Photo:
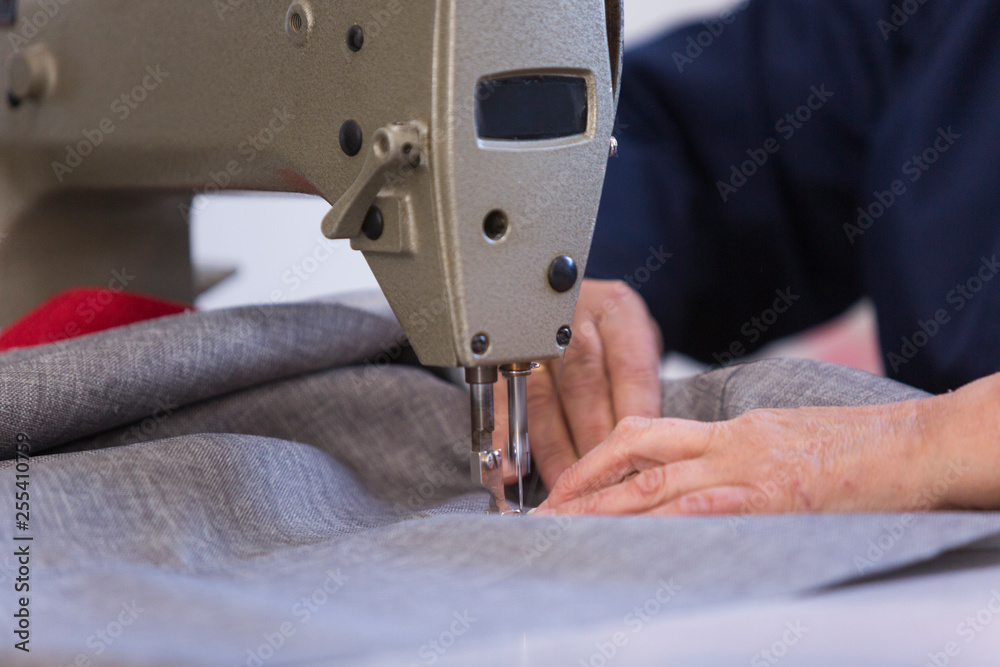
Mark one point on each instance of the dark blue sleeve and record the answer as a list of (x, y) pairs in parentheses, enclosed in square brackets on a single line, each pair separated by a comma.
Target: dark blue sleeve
[(741, 145)]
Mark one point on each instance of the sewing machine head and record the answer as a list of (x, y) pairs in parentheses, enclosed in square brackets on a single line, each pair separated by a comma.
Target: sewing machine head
[(462, 144)]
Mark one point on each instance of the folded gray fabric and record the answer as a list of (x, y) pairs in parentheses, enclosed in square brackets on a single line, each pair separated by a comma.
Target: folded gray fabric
[(76, 388), (259, 488)]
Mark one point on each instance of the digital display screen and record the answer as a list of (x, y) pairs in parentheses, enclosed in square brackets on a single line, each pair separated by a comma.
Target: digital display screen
[(531, 107)]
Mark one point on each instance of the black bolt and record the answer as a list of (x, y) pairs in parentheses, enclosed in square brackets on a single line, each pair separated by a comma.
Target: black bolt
[(355, 38), (351, 137), (564, 336), (480, 343), (374, 223), (13, 101), (562, 273)]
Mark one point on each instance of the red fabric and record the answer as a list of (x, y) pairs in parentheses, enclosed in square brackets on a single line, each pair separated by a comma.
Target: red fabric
[(82, 311)]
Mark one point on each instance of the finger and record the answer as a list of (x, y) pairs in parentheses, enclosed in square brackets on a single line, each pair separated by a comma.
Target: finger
[(709, 501), (633, 349), (641, 492), (551, 444), (636, 445), (585, 388)]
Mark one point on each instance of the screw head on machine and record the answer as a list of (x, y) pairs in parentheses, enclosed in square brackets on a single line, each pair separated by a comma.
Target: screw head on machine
[(564, 336), (480, 343)]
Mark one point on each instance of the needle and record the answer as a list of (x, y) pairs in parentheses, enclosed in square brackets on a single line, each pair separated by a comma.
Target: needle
[(517, 421), (520, 481)]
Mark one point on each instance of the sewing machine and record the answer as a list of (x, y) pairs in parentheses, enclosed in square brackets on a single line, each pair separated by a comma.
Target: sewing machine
[(461, 143)]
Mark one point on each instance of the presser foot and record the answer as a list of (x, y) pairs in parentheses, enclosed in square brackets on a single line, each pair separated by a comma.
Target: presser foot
[(487, 463), (487, 470)]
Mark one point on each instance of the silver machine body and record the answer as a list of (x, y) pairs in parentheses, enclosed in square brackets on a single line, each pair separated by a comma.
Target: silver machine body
[(461, 144)]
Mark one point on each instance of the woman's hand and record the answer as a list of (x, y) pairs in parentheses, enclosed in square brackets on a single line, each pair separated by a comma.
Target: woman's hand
[(896, 457)]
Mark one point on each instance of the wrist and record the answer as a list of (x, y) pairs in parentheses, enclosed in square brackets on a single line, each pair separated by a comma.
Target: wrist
[(960, 444), (942, 467)]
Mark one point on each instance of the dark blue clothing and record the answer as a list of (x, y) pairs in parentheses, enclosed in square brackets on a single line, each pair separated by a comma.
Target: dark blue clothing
[(800, 154)]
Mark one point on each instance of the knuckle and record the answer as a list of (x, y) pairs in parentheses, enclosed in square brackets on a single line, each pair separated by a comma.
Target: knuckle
[(762, 418), (714, 436), (617, 298), (705, 502), (585, 340), (583, 357), (620, 291), (759, 430), (630, 429), (695, 503), (624, 295), (650, 483)]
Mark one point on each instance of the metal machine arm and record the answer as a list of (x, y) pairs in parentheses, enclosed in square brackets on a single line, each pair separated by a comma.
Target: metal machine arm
[(461, 144)]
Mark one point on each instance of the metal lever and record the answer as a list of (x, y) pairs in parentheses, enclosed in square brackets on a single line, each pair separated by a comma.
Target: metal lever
[(394, 147)]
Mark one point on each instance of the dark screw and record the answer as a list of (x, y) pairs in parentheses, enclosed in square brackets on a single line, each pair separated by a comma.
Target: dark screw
[(355, 38), (351, 137), (562, 273), (374, 223), (564, 336), (480, 343), (495, 225), (13, 101)]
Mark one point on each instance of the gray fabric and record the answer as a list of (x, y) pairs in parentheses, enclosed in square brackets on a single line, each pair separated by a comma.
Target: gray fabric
[(728, 392), (64, 391), (205, 473)]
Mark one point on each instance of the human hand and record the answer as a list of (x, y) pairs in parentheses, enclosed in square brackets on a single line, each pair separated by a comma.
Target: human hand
[(873, 458), (611, 370)]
